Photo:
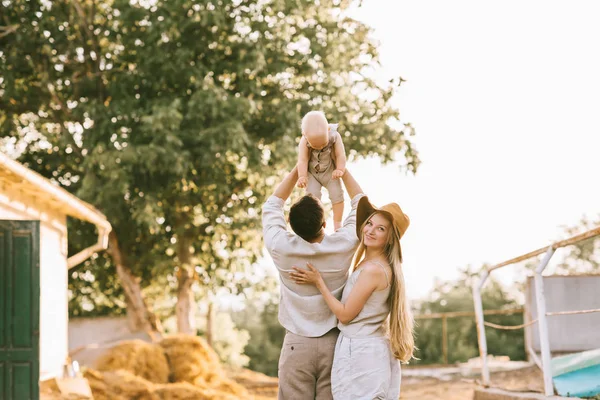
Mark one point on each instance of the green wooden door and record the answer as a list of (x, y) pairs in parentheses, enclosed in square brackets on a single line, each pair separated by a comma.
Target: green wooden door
[(19, 309)]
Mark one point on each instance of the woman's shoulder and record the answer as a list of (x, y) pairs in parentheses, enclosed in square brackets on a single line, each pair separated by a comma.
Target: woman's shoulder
[(374, 269)]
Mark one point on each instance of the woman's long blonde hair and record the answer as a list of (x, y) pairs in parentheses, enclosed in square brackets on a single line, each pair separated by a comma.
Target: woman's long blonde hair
[(401, 322)]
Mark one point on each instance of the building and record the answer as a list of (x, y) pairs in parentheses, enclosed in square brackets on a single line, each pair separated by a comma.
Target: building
[(34, 267)]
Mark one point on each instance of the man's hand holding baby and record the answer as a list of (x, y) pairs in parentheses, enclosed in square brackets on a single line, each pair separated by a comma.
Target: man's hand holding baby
[(302, 182)]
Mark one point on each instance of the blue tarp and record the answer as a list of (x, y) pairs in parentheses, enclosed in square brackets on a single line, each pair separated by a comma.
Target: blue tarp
[(577, 375)]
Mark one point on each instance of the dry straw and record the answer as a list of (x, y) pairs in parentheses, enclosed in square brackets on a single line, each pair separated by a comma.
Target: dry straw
[(192, 360), (184, 390), (142, 359), (119, 385), (179, 367)]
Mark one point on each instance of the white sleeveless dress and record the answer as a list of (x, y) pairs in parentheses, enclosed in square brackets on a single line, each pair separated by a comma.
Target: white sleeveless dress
[(363, 364)]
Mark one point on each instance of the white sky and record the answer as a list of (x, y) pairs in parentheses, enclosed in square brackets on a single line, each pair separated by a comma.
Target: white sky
[(505, 100)]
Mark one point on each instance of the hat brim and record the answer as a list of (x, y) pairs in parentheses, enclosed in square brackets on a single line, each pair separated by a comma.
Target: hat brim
[(363, 211)]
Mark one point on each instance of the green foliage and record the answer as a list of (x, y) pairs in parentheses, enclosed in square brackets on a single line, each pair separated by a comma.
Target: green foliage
[(96, 294), (462, 331), (266, 336), (229, 340), (584, 256), (174, 118)]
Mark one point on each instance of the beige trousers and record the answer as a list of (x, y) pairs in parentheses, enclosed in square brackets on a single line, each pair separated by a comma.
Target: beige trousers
[(305, 366)]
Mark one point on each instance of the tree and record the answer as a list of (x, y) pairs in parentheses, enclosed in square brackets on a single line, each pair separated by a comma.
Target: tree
[(266, 335), (584, 256), (175, 117), (462, 332)]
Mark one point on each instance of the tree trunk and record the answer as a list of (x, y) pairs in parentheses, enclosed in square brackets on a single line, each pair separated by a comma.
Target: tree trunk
[(138, 314), (186, 306), (209, 323)]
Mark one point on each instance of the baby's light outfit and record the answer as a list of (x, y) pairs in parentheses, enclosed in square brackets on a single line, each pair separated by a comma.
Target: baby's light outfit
[(321, 165)]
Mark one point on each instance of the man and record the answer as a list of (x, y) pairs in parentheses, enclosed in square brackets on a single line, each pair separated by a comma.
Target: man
[(311, 328)]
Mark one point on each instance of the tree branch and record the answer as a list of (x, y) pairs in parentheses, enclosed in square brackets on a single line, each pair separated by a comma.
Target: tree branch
[(7, 30), (96, 47)]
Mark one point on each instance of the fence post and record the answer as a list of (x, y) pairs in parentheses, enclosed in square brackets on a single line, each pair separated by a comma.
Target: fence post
[(485, 373), (543, 323), (445, 339)]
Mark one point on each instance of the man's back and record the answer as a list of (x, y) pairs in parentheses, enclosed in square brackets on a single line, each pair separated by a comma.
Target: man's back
[(307, 353), (303, 310), (332, 257)]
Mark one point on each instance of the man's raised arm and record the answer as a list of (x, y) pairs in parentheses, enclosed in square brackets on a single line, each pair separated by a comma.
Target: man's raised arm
[(273, 218), (354, 191), (284, 190), (352, 187)]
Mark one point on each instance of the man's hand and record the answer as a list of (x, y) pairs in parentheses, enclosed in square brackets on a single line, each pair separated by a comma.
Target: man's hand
[(337, 174), (302, 182)]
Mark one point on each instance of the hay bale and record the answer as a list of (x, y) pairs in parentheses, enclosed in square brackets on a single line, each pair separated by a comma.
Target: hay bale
[(142, 371), (228, 386), (119, 385), (184, 391), (142, 359), (100, 389), (190, 357), (177, 391), (254, 380), (192, 360)]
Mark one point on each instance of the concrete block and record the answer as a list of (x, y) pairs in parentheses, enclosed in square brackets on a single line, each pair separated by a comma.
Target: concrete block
[(499, 394)]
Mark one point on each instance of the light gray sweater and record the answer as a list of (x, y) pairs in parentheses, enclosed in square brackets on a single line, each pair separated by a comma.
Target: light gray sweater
[(302, 309)]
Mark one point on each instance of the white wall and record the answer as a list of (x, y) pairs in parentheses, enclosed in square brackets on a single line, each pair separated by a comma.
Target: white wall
[(53, 277), (567, 333), (102, 332)]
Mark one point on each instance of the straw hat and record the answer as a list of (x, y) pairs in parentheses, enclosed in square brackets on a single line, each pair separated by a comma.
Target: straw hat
[(392, 210)]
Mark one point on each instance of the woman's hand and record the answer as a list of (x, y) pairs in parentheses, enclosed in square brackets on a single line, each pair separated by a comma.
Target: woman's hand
[(303, 276)]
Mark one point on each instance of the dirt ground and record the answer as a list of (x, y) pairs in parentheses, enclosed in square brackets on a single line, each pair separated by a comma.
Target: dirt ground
[(457, 388), (263, 387)]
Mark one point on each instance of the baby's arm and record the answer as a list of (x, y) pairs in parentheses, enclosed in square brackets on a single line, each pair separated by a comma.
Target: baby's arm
[(303, 154), (340, 157)]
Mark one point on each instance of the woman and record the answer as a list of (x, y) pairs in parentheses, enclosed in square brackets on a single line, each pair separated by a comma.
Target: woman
[(370, 346)]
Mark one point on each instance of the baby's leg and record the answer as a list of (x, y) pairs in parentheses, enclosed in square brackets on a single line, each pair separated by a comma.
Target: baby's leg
[(313, 186), (336, 195), (338, 212)]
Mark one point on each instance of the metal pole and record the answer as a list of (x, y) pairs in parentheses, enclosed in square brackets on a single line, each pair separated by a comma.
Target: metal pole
[(445, 338), (526, 319), (534, 357), (543, 323), (485, 373)]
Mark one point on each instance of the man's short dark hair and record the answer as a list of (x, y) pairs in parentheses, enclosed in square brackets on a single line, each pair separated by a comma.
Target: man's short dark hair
[(306, 217)]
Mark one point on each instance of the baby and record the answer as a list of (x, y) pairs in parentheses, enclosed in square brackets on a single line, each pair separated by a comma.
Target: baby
[(322, 161)]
